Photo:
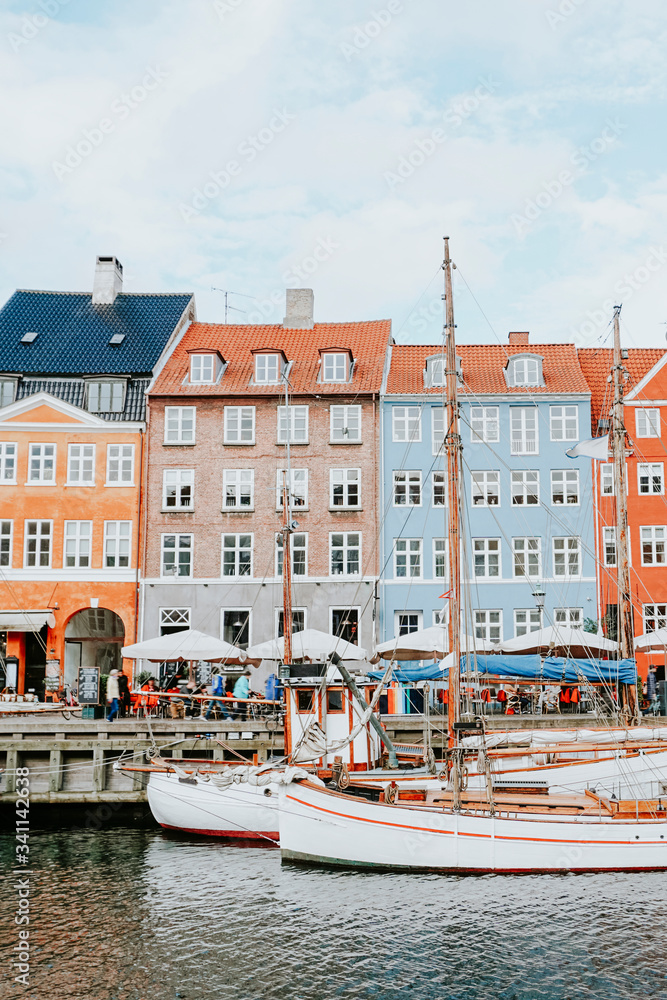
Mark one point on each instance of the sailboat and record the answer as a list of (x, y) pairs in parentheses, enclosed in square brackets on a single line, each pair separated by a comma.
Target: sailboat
[(462, 829)]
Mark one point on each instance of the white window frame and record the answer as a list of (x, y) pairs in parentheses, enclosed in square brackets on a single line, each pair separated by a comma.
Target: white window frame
[(569, 478), (343, 434), (413, 626), (439, 617), (297, 486), (295, 611), (239, 484), (347, 479), (346, 548), (245, 613), (116, 394), (487, 555), (406, 424), (648, 470), (6, 542), (7, 391), (120, 461), (405, 483), (486, 626), (78, 456), (527, 620), (177, 549), (331, 363), (654, 616), (647, 422), (572, 617), (42, 457), (530, 369), (607, 479), (264, 365), (8, 462), (177, 479), (437, 429), (566, 548), (404, 551), (176, 435), (202, 369), (486, 484), (521, 442), (239, 435), (440, 559), (438, 488), (117, 536), (609, 546), (80, 534), (296, 545), (40, 534), (564, 422), (243, 546), (485, 424), (168, 617), (346, 608), (521, 486), (292, 419), (648, 534), (527, 550)]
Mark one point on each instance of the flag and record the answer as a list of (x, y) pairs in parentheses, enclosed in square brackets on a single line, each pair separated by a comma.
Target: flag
[(597, 448), (446, 596)]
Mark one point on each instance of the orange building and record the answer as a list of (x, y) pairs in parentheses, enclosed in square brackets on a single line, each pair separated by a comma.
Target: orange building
[(72, 410)]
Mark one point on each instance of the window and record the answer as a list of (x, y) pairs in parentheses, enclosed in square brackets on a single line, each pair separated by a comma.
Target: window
[(439, 617), (572, 617), (647, 423), (298, 621), (334, 367), (526, 557), (178, 489), (564, 423), (6, 533), (117, 543), (407, 489), (527, 620), (523, 427), (239, 425), (267, 368), (335, 701), (345, 424), (179, 424), (408, 558), (525, 371), (299, 550), (106, 397), (653, 546), (37, 544), (42, 465), (238, 489), (237, 555), (440, 558), (489, 625), (306, 701), (407, 622), (564, 486), (120, 465), (81, 465), (486, 557), (174, 620), (655, 616), (485, 489), (435, 371), (7, 463), (567, 556), (78, 537), (650, 478), (345, 548), (236, 627), (609, 546), (202, 368), (406, 423), (344, 487), (437, 429), (607, 479), (7, 391), (439, 489), (484, 424), (293, 420), (525, 488), (345, 624), (177, 555), (298, 488)]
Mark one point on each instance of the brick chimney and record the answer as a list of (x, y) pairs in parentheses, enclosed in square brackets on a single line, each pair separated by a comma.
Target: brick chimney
[(521, 339), (299, 305), (108, 281)]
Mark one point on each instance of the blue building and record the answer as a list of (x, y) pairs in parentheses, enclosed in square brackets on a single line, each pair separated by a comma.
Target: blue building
[(528, 510)]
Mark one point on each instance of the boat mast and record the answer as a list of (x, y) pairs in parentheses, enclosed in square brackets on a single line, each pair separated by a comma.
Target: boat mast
[(287, 533), (625, 630), (453, 452)]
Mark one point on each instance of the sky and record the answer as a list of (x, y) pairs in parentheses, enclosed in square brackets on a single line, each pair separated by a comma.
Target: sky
[(254, 145)]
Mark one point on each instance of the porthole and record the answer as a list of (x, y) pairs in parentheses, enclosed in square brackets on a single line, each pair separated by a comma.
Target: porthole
[(268, 792)]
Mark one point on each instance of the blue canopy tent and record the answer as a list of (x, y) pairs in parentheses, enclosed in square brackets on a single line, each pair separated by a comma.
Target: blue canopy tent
[(552, 668)]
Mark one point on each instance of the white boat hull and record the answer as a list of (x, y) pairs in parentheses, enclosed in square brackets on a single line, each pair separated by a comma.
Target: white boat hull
[(324, 827), (243, 810)]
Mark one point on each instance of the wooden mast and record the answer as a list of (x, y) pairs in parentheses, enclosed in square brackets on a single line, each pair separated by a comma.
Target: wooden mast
[(625, 629), (287, 535), (453, 452)]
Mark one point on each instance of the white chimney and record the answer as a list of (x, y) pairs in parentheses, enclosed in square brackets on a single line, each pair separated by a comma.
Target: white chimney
[(108, 280), (299, 309)]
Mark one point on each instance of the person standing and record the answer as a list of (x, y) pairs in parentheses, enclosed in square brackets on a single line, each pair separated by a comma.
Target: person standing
[(124, 694), (242, 690), (113, 695)]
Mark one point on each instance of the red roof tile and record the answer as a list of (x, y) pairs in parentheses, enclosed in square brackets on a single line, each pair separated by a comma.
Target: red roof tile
[(367, 341), (483, 368), (596, 365)]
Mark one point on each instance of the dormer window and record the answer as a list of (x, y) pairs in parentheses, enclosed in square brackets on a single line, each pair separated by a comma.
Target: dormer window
[(436, 371), (202, 368), (269, 367), (336, 366), (524, 370), (106, 397), (7, 391)]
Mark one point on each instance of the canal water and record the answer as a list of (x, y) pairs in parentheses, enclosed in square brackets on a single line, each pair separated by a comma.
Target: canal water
[(129, 914)]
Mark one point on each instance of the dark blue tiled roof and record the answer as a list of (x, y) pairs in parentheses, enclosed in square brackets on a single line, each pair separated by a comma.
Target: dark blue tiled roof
[(73, 391), (73, 334)]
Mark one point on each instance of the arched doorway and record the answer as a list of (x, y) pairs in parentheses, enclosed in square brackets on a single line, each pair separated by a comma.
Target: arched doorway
[(93, 638)]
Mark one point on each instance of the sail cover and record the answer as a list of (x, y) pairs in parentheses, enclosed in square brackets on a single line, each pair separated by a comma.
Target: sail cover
[(553, 668)]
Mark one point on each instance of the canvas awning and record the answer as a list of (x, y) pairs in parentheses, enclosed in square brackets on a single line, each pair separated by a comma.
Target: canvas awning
[(428, 644), (186, 646), (310, 644), (26, 621)]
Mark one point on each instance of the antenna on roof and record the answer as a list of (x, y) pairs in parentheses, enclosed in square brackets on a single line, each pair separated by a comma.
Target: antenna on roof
[(227, 292)]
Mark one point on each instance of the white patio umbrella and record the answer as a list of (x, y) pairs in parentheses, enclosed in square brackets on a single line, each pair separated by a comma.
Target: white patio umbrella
[(574, 641), (429, 644), (188, 645), (655, 640), (310, 644)]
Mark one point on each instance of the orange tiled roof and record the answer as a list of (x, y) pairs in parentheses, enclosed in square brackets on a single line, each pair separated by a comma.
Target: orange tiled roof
[(596, 365), (367, 341), (483, 368)]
